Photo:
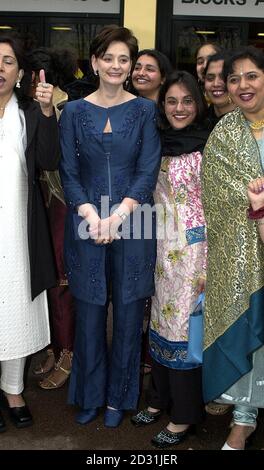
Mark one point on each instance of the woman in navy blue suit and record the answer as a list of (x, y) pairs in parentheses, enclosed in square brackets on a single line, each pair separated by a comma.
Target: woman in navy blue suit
[(109, 167)]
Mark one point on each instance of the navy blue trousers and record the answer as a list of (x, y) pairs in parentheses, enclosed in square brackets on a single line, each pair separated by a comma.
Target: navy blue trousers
[(100, 376)]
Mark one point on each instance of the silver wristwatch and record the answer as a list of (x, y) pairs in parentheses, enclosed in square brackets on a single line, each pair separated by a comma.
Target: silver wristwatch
[(122, 215)]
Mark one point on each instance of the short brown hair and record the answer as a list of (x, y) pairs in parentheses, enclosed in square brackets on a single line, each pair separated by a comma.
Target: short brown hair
[(112, 33)]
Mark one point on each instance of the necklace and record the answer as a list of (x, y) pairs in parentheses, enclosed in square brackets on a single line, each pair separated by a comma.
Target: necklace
[(257, 125)]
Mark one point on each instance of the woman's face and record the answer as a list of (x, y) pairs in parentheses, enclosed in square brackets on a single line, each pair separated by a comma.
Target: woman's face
[(146, 76), (246, 88), (180, 107), (214, 84), (9, 72), (202, 57), (115, 64)]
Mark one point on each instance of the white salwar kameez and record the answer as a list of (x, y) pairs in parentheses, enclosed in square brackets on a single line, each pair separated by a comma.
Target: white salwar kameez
[(24, 325)]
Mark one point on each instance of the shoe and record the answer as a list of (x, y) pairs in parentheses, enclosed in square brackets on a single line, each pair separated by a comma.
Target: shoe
[(248, 440), (145, 417), (112, 418), (166, 438), (47, 365), (20, 416), (217, 409), (60, 374), (227, 447), (86, 416), (2, 423)]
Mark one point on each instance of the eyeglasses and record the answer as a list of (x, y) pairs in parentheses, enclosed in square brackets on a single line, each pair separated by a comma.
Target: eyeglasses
[(186, 102)]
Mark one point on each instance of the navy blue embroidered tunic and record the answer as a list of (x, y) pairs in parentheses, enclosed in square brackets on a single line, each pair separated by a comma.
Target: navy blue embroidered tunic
[(95, 165)]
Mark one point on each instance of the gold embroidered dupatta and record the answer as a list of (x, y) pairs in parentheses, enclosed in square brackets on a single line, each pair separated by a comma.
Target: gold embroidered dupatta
[(235, 251)]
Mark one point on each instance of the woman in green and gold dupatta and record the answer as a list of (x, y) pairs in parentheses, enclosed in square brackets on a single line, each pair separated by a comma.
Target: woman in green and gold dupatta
[(234, 321)]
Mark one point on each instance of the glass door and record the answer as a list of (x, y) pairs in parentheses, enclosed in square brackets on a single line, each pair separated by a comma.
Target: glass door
[(75, 33), (29, 28), (188, 35)]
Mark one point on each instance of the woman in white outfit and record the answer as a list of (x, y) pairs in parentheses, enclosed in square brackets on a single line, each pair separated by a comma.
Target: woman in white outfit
[(28, 142)]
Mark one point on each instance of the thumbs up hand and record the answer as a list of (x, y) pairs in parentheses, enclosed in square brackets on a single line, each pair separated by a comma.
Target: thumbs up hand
[(44, 92)]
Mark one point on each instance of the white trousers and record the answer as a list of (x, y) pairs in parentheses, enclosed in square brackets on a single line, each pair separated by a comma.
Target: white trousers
[(12, 373)]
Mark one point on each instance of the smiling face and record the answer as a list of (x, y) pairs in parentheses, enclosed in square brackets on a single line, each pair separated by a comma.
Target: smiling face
[(115, 64), (9, 72), (246, 88), (214, 84), (179, 106), (202, 57), (146, 76)]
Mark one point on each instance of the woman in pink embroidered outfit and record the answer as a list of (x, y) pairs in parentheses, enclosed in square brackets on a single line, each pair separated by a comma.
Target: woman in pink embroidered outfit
[(181, 260)]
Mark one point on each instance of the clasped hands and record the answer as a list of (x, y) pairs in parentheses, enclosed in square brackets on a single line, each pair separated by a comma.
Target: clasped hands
[(104, 231)]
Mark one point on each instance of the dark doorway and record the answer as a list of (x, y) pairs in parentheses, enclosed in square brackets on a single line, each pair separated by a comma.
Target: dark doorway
[(188, 35), (179, 36), (71, 31)]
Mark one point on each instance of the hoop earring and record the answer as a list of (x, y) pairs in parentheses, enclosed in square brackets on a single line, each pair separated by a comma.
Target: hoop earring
[(230, 101)]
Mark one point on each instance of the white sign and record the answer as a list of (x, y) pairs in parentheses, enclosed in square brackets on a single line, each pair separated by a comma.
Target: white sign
[(61, 6), (229, 8)]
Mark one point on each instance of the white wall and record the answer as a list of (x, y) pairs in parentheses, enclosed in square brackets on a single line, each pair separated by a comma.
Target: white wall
[(61, 6), (230, 8)]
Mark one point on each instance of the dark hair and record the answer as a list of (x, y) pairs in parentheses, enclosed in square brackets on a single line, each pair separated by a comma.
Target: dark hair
[(215, 58), (162, 60), (16, 44), (59, 64), (112, 33), (248, 52), (214, 44), (182, 77)]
